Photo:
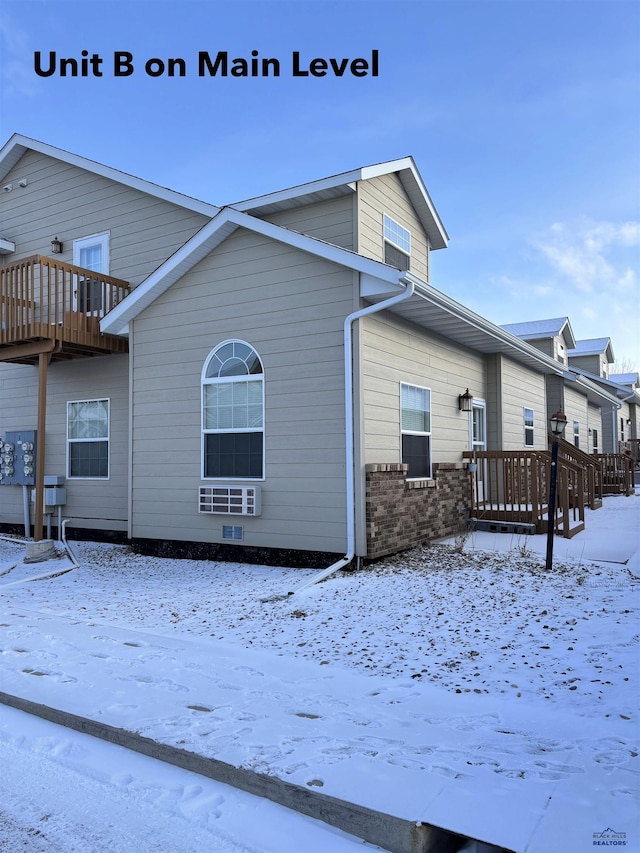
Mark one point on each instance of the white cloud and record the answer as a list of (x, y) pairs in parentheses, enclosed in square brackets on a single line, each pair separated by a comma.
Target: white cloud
[(591, 256)]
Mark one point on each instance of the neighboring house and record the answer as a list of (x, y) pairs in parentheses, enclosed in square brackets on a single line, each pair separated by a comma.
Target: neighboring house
[(592, 358), (274, 374), (591, 408)]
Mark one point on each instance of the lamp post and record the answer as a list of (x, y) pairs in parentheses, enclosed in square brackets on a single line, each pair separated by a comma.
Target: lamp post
[(558, 426)]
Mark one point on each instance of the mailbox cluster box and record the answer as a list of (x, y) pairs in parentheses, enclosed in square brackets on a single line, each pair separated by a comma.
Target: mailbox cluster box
[(18, 458)]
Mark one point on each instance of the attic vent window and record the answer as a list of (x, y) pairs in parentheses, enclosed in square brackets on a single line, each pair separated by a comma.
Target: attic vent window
[(397, 243)]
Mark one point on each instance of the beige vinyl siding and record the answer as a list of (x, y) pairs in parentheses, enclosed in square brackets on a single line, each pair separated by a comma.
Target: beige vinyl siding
[(331, 220), (594, 421), (68, 202), (290, 307), (575, 408), (385, 194), (92, 504), (394, 351), (521, 388)]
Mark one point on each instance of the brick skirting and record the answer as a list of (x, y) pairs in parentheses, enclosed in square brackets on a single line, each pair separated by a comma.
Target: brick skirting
[(404, 513)]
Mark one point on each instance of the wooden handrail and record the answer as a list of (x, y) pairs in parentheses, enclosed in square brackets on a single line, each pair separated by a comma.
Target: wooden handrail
[(617, 473), (43, 298), (513, 486), (592, 467)]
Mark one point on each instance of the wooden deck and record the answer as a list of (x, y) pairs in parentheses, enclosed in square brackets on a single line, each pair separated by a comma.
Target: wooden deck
[(513, 486), (49, 305)]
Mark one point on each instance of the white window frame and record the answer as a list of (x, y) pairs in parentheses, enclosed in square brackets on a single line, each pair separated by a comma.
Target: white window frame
[(424, 433), (81, 243), (106, 439), (397, 236), (529, 427), (480, 406), (576, 434), (204, 381)]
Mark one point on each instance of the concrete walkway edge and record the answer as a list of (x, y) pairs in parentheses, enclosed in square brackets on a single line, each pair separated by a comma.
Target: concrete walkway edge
[(387, 831)]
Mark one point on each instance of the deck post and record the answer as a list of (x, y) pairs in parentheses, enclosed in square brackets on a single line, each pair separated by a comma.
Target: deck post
[(558, 426), (43, 364)]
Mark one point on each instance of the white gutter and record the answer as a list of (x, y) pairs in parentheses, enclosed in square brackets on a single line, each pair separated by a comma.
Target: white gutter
[(350, 430)]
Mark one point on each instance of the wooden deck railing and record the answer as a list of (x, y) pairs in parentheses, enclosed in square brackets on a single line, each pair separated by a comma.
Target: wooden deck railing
[(631, 447), (42, 298), (592, 470), (617, 473), (513, 486)]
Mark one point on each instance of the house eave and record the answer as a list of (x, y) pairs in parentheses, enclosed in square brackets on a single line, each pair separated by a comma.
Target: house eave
[(346, 183), (215, 232), (13, 150), (432, 309)]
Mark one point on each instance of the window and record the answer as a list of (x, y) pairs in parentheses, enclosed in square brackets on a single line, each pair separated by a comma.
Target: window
[(415, 423), (233, 413), (397, 243), (621, 429), (595, 441), (92, 253), (528, 427), (88, 439), (576, 433)]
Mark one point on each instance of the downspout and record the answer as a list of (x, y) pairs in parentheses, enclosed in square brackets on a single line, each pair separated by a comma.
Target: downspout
[(349, 427)]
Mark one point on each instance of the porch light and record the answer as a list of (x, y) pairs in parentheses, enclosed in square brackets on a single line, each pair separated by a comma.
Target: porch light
[(628, 421), (465, 401), (56, 246), (558, 424)]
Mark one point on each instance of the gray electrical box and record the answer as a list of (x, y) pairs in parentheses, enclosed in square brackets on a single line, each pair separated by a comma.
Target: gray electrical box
[(55, 493), (18, 458)]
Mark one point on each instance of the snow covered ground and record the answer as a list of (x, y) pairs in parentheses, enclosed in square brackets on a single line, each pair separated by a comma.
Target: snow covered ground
[(459, 684)]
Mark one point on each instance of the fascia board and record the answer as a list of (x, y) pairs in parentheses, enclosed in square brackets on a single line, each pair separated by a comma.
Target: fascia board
[(348, 179), (593, 390), (342, 179), (13, 150), (210, 236), (405, 166), (618, 391), (437, 297)]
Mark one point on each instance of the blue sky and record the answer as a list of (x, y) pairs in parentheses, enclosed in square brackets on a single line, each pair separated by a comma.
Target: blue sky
[(523, 117)]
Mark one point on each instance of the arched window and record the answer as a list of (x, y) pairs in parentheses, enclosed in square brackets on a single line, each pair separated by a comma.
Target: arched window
[(233, 413)]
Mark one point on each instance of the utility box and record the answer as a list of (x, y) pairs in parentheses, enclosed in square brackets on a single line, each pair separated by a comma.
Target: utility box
[(18, 458), (55, 493)]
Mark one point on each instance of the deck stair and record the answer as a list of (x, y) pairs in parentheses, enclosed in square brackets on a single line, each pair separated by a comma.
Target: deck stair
[(510, 487), (617, 473), (593, 470)]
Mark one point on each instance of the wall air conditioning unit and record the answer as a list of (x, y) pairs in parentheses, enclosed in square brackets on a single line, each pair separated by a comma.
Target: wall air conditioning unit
[(230, 500)]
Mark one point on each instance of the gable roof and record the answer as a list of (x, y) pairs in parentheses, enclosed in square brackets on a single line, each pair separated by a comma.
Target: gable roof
[(631, 379), (215, 232), (542, 329), (345, 184), (594, 346), (18, 145)]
